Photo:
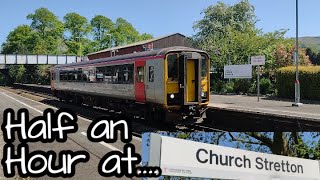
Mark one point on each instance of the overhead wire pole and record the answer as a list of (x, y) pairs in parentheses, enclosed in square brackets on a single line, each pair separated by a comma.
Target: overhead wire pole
[(297, 83)]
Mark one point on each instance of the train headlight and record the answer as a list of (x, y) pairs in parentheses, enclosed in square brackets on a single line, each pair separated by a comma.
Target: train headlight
[(172, 96), (203, 95)]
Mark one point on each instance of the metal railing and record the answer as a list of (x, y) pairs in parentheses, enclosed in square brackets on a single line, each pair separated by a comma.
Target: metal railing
[(6, 59)]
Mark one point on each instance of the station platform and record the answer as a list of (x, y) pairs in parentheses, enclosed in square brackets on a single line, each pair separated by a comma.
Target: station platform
[(270, 106)]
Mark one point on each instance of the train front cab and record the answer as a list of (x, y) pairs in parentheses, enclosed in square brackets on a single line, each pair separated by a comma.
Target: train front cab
[(187, 83)]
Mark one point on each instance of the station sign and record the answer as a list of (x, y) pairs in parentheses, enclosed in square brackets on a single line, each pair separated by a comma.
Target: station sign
[(238, 71), (258, 60), (187, 158)]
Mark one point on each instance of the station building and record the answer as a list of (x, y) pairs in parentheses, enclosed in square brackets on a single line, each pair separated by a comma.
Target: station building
[(176, 39)]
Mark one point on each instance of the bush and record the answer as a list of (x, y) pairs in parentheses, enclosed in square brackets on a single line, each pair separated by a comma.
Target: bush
[(242, 85), (265, 86), (228, 87), (216, 86), (309, 77)]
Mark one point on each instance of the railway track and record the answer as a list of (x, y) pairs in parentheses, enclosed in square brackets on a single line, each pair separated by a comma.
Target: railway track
[(218, 119), (43, 94)]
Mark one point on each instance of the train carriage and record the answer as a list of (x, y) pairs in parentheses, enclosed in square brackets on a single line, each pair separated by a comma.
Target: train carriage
[(151, 84)]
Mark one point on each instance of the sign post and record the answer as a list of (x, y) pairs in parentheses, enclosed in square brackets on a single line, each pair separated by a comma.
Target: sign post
[(258, 81), (257, 61)]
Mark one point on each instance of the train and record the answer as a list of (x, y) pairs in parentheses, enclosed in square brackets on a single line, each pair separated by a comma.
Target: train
[(164, 85)]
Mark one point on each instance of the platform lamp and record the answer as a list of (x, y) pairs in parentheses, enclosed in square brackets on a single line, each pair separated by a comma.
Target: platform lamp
[(297, 102)]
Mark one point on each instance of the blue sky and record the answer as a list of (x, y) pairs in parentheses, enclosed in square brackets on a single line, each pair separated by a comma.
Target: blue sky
[(163, 17)]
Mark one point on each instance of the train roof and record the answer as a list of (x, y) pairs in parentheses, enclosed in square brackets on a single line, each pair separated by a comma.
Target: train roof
[(157, 52)]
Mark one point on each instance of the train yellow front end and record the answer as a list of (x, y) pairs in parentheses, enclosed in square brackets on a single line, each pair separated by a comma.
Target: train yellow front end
[(187, 85)]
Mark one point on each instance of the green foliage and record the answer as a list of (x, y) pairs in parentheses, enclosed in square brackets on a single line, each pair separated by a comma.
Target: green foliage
[(265, 86), (228, 87), (100, 26), (46, 23), (242, 86), (45, 36), (16, 72), (124, 33), (145, 36), (2, 79), (20, 40), (230, 36), (77, 25), (48, 28), (309, 82), (314, 57)]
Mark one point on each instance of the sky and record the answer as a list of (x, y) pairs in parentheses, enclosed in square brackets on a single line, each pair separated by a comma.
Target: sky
[(164, 17)]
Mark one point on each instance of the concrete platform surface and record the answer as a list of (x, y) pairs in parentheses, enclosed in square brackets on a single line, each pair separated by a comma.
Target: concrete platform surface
[(270, 106)]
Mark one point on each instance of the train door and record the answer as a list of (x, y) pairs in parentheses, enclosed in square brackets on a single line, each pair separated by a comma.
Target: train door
[(53, 78), (139, 86), (189, 77), (151, 80), (191, 80)]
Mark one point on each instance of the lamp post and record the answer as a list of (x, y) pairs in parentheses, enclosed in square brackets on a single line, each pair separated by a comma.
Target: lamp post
[(296, 57), (110, 43)]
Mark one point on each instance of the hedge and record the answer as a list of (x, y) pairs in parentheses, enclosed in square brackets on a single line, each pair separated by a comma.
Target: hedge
[(309, 77)]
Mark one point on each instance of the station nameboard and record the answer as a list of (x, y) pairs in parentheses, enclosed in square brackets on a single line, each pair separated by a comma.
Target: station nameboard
[(194, 159), (258, 60), (238, 71)]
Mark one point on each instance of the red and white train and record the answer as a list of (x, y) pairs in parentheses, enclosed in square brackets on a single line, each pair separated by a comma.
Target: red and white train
[(153, 84)]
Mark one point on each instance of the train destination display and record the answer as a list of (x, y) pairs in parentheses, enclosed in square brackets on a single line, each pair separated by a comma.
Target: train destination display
[(194, 159)]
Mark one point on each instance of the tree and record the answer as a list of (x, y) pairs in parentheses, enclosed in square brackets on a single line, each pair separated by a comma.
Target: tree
[(145, 36), (223, 28), (124, 33), (318, 59), (20, 40), (220, 18), (100, 26), (314, 58), (48, 29), (284, 55), (78, 27)]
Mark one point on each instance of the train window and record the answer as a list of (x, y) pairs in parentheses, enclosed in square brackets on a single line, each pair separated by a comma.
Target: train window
[(126, 74), (85, 75), (78, 75), (204, 66), (92, 75), (151, 74), (99, 76), (120, 75), (108, 74), (63, 76), (115, 75), (71, 76), (172, 67), (130, 74), (140, 74)]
